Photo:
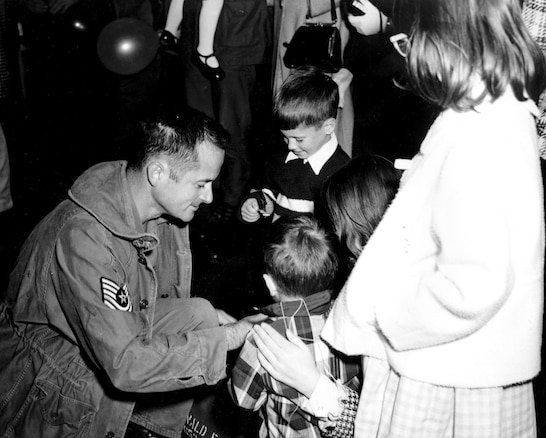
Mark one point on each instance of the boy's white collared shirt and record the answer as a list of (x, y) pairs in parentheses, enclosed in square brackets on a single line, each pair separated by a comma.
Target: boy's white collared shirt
[(319, 158)]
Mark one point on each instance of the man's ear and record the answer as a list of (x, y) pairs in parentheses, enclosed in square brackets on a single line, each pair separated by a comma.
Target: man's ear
[(271, 285), (155, 171)]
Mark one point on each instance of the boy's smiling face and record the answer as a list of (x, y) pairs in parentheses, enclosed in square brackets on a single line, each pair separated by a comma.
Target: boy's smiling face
[(304, 141)]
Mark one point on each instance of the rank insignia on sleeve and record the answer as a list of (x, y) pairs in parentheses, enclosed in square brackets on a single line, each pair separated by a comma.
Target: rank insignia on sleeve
[(114, 296)]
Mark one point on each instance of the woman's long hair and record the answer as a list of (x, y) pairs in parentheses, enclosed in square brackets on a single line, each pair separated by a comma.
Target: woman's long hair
[(462, 51), (355, 198)]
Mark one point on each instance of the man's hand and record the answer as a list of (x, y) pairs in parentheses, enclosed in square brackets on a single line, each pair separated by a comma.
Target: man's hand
[(255, 319), (224, 317), (236, 332)]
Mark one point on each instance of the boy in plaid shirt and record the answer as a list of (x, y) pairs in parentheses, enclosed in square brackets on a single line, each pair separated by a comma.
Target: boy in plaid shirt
[(300, 266)]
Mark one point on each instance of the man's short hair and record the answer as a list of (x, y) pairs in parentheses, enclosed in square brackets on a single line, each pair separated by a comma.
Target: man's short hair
[(300, 256), (308, 97), (177, 136)]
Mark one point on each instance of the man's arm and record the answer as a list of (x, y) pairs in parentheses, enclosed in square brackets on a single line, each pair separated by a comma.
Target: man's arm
[(134, 356)]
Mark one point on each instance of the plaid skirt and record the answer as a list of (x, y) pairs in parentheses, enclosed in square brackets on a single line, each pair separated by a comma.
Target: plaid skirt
[(393, 406)]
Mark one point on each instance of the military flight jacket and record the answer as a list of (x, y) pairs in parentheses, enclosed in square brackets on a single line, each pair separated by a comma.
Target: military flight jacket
[(81, 304)]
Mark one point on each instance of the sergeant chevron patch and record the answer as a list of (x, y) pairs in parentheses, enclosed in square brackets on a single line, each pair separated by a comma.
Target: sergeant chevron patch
[(114, 296)]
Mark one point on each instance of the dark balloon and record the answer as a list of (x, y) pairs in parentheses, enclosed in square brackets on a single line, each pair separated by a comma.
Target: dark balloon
[(126, 46)]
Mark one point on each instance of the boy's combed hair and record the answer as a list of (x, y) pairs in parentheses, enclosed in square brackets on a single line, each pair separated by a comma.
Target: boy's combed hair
[(355, 198), (177, 136), (455, 42), (308, 97), (300, 256)]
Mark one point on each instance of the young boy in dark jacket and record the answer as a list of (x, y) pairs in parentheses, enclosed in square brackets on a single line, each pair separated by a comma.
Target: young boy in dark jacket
[(305, 109)]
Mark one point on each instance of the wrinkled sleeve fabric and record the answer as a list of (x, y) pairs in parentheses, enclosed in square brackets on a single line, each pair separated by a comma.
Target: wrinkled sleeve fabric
[(116, 341)]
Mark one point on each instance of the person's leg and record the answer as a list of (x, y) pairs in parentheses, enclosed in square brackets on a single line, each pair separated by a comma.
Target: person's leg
[(235, 114), (197, 89), (208, 20), (168, 40), (174, 17), (203, 57), (166, 413)]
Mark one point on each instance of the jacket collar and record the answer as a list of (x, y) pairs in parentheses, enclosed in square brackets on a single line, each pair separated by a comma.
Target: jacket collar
[(315, 304), (320, 157), (103, 192)]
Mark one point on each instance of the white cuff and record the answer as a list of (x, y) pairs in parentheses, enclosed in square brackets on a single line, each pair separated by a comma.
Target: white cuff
[(325, 402)]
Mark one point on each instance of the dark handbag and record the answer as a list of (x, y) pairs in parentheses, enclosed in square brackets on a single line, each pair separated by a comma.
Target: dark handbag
[(317, 44)]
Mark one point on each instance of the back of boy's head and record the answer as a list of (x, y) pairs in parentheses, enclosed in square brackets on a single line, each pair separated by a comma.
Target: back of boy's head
[(308, 97), (300, 256)]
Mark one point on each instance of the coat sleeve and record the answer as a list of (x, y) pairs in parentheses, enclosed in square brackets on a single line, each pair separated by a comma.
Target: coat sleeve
[(118, 342)]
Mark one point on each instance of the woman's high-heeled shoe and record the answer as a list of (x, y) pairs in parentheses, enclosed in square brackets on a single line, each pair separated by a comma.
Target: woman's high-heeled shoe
[(211, 73), (168, 43)]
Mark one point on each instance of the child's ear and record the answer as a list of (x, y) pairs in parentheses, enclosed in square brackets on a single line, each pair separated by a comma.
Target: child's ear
[(271, 285), (329, 126)]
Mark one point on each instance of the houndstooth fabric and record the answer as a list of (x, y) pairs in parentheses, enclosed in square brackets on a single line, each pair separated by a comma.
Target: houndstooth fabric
[(345, 424), (534, 16), (392, 406)]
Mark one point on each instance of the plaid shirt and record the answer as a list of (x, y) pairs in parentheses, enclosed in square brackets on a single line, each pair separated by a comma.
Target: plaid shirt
[(279, 405)]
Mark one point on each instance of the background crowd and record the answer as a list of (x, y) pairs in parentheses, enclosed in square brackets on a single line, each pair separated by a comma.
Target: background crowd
[(63, 110)]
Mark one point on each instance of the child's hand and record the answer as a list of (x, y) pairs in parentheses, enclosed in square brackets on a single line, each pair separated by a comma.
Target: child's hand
[(250, 210), (267, 207), (253, 208)]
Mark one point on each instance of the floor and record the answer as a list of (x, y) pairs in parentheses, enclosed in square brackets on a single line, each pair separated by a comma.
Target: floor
[(69, 120)]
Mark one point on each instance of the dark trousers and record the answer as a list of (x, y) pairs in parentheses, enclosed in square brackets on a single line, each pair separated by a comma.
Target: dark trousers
[(229, 102)]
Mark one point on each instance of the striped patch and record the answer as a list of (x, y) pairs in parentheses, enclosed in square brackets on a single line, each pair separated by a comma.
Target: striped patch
[(114, 296)]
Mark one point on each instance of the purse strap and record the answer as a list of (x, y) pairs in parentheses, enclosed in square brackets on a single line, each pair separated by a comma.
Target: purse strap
[(332, 10)]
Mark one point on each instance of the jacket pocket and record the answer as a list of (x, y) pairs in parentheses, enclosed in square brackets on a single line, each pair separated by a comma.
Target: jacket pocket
[(57, 415)]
